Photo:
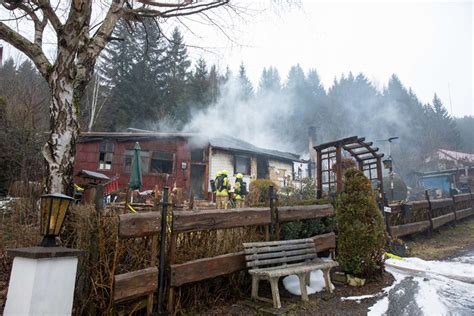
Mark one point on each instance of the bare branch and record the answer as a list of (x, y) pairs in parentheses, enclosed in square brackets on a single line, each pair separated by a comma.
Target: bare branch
[(33, 51), (50, 14)]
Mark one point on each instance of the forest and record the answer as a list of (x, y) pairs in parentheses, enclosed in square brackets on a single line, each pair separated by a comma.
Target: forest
[(150, 82)]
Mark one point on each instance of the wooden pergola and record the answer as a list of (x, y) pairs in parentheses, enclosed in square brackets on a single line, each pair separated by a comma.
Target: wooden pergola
[(330, 154)]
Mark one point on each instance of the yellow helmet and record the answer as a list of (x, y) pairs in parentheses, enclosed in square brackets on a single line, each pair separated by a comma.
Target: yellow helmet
[(225, 172), (239, 176), (218, 173)]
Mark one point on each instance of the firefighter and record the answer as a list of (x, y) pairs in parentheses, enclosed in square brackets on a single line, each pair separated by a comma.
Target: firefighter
[(222, 189), (240, 190)]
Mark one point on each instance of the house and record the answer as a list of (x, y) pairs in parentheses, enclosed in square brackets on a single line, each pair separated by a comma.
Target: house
[(183, 160)]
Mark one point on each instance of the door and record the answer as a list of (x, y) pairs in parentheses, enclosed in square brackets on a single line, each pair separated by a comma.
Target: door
[(262, 167), (197, 180)]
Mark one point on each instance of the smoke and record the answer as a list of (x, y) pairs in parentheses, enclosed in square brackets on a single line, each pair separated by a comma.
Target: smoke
[(252, 120)]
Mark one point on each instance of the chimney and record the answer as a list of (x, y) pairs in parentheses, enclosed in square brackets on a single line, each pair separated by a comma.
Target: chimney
[(312, 152)]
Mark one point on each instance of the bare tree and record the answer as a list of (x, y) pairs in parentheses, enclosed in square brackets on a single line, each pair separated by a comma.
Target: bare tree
[(80, 40)]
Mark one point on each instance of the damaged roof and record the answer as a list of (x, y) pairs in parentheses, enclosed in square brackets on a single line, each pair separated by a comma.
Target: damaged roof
[(230, 143), (222, 142)]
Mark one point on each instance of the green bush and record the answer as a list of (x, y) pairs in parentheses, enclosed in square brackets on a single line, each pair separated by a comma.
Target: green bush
[(361, 233), (259, 193), (307, 228)]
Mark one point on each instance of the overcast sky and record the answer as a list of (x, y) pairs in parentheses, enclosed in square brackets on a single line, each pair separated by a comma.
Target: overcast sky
[(429, 45)]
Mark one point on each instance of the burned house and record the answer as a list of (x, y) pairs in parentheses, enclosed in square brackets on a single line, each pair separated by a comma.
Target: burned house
[(182, 160)]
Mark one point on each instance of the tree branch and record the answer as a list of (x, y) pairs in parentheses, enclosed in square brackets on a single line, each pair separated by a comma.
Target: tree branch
[(33, 51), (49, 13)]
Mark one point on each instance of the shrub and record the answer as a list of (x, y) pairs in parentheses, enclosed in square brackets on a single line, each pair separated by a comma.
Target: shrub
[(307, 228), (361, 233), (259, 192), (305, 191)]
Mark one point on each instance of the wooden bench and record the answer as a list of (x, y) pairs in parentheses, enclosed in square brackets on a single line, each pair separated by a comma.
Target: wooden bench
[(274, 259)]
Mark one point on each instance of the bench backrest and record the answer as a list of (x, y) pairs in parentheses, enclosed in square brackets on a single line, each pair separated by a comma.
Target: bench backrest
[(277, 253)]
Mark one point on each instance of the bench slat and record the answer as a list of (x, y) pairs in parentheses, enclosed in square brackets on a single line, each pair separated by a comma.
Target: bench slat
[(262, 249), (294, 269), (279, 254), (257, 263), (277, 243)]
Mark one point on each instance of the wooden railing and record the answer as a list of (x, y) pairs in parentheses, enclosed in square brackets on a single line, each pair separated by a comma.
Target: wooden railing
[(433, 214), (143, 282)]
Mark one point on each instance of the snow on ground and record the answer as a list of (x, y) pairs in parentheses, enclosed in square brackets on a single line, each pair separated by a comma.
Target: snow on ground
[(428, 288), (316, 283)]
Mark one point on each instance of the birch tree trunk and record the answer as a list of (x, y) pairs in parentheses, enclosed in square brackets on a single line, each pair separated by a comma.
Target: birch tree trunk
[(60, 149)]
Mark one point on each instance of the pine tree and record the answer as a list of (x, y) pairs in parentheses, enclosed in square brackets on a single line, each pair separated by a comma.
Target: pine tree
[(199, 85), (270, 81), (133, 71), (245, 86), (176, 76)]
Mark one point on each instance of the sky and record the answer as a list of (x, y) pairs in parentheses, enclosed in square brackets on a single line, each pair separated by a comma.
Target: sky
[(428, 44)]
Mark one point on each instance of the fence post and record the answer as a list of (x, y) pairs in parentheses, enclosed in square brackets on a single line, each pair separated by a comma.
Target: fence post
[(386, 215), (272, 214), (430, 210), (454, 209), (161, 277)]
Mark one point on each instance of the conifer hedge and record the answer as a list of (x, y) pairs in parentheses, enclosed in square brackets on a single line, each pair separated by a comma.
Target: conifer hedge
[(361, 233)]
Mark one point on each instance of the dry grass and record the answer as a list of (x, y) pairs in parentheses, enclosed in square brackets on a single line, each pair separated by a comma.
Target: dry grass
[(444, 242)]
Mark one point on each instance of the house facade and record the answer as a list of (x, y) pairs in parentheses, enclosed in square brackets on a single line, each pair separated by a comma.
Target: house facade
[(182, 160)]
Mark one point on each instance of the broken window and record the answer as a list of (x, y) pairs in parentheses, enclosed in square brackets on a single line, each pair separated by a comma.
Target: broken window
[(144, 160), (106, 153), (242, 165), (162, 162)]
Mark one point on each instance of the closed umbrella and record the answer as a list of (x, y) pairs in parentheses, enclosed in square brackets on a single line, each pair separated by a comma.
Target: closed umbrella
[(136, 170)]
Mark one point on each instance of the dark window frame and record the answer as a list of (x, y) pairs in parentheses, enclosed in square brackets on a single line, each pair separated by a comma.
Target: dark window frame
[(171, 159), (145, 160), (106, 149), (248, 164)]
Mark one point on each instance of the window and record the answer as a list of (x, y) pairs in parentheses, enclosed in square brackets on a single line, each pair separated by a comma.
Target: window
[(197, 155), (144, 163), (242, 165), (162, 162), (106, 153)]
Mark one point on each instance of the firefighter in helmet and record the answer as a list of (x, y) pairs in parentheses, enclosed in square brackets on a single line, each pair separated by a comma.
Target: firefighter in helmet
[(222, 189), (240, 190)]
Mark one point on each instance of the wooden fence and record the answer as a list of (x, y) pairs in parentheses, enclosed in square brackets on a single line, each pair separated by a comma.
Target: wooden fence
[(418, 216), (143, 282), (404, 220)]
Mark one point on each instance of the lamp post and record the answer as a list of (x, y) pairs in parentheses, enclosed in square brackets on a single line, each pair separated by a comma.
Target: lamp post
[(388, 163), (53, 211), (42, 278)]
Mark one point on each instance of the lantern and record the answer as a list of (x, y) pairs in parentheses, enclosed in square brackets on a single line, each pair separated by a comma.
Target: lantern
[(53, 211), (387, 164)]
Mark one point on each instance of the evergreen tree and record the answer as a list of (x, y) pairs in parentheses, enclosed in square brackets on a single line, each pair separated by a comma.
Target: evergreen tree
[(361, 233), (199, 85), (466, 132), (245, 86), (214, 84), (133, 70), (176, 76), (270, 81)]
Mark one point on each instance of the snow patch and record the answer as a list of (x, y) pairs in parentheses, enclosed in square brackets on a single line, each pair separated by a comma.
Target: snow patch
[(316, 283)]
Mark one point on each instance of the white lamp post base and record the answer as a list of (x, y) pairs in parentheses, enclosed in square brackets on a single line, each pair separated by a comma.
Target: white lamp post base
[(42, 281)]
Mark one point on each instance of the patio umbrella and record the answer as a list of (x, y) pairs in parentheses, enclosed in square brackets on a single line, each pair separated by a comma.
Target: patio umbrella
[(136, 169)]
